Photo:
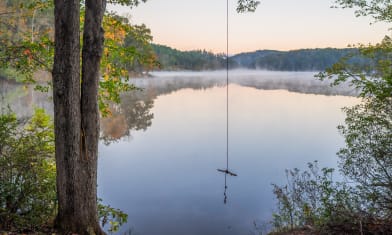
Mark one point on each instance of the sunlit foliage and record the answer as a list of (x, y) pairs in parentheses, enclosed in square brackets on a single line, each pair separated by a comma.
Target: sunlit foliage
[(26, 39), (126, 47), (28, 47)]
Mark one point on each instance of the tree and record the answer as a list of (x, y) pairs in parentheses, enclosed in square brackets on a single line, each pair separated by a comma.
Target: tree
[(365, 204), (27, 38), (380, 10), (76, 112), (367, 157), (140, 39)]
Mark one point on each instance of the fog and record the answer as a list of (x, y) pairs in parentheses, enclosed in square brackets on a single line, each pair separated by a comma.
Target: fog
[(301, 82)]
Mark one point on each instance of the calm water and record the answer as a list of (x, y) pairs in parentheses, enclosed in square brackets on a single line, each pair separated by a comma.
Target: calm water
[(161, 167), (160, 150)]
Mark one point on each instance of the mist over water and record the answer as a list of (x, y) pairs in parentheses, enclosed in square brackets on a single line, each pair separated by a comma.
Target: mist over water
[(161, 148), (302, 82), (161, 167)]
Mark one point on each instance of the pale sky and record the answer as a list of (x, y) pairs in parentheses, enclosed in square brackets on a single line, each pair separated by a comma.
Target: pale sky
[(276, 24)]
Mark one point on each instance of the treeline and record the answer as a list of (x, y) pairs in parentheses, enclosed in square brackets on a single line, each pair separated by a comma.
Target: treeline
[(296, 60), (29, 25), (173, 59)]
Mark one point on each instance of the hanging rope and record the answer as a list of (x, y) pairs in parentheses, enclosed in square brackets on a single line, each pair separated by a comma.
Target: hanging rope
[(227, 85), (226, 171)]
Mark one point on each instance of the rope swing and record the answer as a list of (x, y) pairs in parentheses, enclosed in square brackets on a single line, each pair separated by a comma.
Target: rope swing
[(227, 171)]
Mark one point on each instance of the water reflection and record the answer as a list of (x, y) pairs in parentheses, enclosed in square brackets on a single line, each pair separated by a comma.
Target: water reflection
[(166, 177), (22, 98), (301, 82), (133, 113)]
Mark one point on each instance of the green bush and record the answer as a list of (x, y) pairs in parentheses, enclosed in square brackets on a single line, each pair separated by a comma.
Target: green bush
[(28, 176), (27, 172), (367, 157), (312, 199)]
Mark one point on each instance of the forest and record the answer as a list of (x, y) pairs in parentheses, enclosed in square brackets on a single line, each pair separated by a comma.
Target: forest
[(48, 164), (150, 56), (295, 60)]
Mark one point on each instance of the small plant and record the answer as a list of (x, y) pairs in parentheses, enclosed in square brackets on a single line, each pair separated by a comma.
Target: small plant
[(109, 215), (310, 199)]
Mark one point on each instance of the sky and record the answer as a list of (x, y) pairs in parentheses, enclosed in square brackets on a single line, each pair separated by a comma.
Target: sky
[(276, 24)]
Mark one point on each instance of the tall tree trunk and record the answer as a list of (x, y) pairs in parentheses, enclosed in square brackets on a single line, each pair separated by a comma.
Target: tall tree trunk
[(93, 40), (76, 140)]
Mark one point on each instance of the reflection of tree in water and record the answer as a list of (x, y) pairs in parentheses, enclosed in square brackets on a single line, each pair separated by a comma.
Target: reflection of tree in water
[(133, 114), (113, 127), (139, 116)]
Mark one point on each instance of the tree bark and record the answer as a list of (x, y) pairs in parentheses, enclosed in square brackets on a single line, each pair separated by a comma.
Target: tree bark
[(93, 41), (76, 115)]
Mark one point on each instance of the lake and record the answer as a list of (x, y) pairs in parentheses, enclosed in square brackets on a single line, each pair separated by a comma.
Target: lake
[(161, 148)]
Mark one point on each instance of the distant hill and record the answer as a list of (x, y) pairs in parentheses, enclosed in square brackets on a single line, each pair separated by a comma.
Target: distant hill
[(295, 60), (173, 59)]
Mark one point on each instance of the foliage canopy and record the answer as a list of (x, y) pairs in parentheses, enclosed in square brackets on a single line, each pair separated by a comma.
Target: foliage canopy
[(28, 46)]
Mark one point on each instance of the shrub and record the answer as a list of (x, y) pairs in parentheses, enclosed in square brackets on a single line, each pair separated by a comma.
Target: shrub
[(28, 176), (27, 172), (312, 199)]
